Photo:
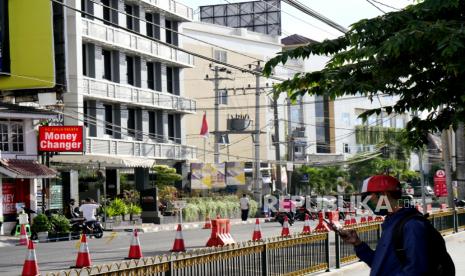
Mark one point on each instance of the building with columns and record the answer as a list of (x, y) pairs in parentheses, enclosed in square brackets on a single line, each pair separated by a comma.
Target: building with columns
[(125, 71)]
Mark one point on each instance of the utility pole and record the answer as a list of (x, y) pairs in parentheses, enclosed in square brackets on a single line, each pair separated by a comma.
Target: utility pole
[(460, 157), (422, 175), (290, 144), (447, 166), (217, 116), (276, 142), (257, 191)]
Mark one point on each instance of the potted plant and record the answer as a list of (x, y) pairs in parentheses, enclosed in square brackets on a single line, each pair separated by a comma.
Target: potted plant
[(134, 211), (120, 207), (41, 225), (61, 228)]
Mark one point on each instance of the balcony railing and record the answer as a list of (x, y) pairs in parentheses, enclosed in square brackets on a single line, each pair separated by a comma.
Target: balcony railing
[(129, 94), (139, 149), (100, 32), (180, 10)]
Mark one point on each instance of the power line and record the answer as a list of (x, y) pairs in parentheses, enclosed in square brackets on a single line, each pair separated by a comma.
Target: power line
[(185, 35), (373, 4), (245, 70), (386, 5)]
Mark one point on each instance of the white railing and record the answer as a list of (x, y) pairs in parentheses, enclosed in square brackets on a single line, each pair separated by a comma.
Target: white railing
[(133, 43), (173, 7), (104, 89), (104, 146)]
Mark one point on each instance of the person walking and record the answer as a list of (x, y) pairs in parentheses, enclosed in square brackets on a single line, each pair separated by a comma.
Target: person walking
[(409, 244), (244, 203)]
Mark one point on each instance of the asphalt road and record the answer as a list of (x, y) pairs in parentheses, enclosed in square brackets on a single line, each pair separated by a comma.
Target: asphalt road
[(61, 255)]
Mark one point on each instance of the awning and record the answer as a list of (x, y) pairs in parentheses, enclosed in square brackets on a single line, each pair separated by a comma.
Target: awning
[(29, 169), (106, 161)]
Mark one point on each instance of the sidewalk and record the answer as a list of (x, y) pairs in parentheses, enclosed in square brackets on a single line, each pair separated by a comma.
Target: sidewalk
[(455, 247), (152, 228)]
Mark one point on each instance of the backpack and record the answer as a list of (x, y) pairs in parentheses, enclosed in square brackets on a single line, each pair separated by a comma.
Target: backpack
[(439, 263)]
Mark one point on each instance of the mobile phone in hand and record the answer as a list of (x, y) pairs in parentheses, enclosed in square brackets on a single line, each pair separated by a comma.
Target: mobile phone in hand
[(332, 226)]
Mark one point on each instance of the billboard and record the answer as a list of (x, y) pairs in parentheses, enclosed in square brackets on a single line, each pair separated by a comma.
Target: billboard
[(207, 176), (28, 32), (258, 16), (4, 42), (61, 139), (235, 174)]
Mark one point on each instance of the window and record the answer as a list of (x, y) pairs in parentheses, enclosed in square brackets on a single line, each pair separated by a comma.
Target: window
[(88, 60), (11, 136), (152, 125), (110, 11), (108, 119), (85, 70), (171, 127), (107, 65), (86, 114), (169, 80), (223, 96), (132, 13), (168, 32), (154, 75), (153, 25), (130, 70), (346, 119), (221, 55), (131, 122), (87, 7), (346, 148)]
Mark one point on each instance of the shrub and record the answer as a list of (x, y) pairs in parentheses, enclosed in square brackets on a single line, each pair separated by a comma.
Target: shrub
[(191, 212), (253, 208), (134, 209), (41, 224), (60, 224), (110, 211), (119, 207)]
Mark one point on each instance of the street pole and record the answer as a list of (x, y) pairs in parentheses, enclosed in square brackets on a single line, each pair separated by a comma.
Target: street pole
[(217, 123), (447, 167), (276, 143), (290, 145), (460, 155), (257, 189), (422, 180)]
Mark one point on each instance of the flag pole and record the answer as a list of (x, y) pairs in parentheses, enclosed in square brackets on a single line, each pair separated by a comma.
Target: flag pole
[(205, 143)]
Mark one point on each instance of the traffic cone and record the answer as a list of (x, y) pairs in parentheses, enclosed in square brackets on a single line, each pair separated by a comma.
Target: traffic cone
[(30, 267), (178, 245), (208, 223), (257, 232), (135, 251), (347, 221), (285, 231), (353, 220), (307, 229), (23, 239), (83, 258)]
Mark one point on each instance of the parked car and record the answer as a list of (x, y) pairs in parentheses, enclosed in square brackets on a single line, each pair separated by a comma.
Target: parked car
[(428, 191)]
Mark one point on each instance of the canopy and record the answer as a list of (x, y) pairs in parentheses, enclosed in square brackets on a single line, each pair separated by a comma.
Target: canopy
[(106, 161)]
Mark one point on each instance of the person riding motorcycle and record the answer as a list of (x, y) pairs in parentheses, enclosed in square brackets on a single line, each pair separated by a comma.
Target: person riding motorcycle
[(88, 212)]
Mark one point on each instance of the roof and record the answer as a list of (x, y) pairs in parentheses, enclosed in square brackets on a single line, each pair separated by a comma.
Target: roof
[(16, 109), (17, 168), (296, 39)]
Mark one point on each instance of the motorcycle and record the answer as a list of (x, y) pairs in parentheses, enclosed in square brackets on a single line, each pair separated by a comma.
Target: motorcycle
[(91, 228)]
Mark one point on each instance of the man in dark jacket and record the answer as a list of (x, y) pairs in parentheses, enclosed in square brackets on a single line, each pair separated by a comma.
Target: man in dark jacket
[(385, 194)]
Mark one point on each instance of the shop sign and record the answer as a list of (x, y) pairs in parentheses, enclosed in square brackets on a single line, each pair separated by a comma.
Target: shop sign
[(61, 139), (440, 186), (8, 198)]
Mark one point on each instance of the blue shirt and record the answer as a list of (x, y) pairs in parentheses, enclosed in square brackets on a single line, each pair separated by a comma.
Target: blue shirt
[(384, 261)]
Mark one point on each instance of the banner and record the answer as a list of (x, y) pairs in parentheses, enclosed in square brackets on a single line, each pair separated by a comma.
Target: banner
[(207, 176), (8, 198), (235, 174)]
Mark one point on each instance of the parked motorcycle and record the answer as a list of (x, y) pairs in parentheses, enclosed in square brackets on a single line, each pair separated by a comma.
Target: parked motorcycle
[(91, 228)]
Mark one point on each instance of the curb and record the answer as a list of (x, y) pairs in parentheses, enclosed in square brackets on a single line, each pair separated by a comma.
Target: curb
[(172, 227), (351, 268)]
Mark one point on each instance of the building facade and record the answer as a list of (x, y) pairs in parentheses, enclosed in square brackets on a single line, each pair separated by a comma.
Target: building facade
[(125, 72)]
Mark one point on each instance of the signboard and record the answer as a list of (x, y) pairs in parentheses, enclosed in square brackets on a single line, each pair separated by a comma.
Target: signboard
[(235, 173), (8, 198), (4, 43), (440, 186), (179, 204), (61, 139)]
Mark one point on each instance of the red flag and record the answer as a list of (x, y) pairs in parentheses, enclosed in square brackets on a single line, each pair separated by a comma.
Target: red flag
[(204, 129)]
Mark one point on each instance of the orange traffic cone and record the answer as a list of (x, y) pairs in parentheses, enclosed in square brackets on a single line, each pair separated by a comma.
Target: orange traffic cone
[(307, 229), (23, 239), (178, 245), (257, 232), (285, 231), (208, 223), (30, 267), (135, 251), (83, 258)]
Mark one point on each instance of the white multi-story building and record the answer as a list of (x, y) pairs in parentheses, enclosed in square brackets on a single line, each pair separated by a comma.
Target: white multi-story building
[(125, 85), (324, 131)]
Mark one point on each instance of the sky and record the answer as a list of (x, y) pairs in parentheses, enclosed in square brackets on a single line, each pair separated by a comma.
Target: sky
[(343, 12)]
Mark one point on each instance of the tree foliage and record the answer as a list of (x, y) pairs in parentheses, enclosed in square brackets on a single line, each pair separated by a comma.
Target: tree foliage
[(416, 53), (165, 175), (322, 180)]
